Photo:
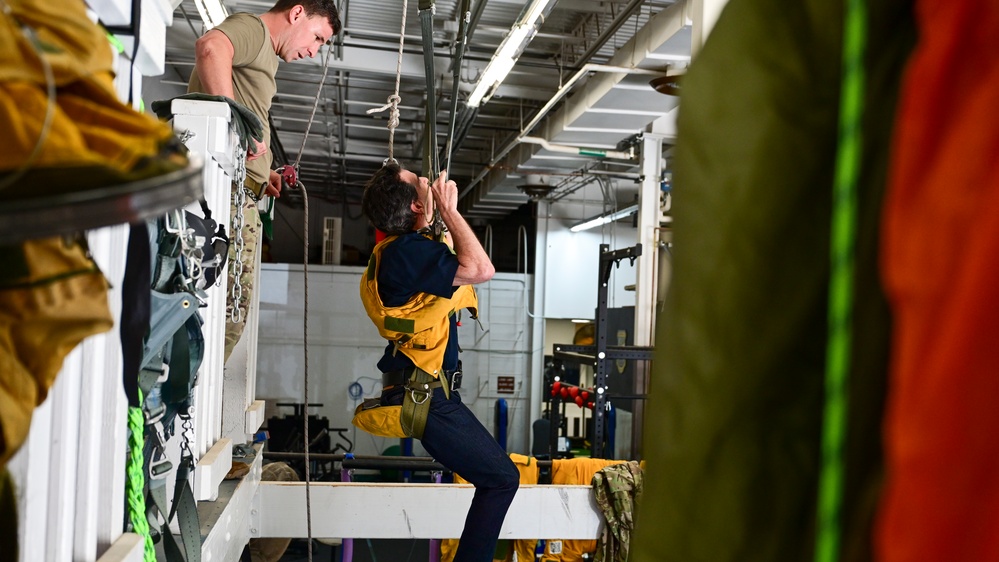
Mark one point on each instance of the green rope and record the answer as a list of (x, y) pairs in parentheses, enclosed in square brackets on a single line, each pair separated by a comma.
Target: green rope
[(844, 221), (135, 485)]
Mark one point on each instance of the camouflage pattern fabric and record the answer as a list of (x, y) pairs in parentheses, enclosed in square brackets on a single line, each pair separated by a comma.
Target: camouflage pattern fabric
[(251, 243), (617, 489)]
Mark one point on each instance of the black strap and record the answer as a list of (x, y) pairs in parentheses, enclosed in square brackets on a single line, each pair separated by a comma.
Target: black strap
[(135, 308)]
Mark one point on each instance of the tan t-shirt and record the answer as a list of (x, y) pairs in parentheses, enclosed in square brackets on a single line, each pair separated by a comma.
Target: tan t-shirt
[(254, 64)]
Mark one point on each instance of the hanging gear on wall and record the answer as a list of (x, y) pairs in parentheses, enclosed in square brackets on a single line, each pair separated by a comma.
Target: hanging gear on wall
[(160, 375)]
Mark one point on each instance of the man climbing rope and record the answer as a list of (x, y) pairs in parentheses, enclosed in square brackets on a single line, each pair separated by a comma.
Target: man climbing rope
[(239, 59), (413, 290)]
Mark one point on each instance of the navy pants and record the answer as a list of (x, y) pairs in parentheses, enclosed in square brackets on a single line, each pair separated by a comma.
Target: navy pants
[(456, 439)]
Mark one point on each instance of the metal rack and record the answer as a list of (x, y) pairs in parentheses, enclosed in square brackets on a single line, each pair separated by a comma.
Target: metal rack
[(600, 354)]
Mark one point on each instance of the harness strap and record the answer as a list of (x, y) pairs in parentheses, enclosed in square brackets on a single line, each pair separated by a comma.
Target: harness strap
[(464, 13), (416, 402)]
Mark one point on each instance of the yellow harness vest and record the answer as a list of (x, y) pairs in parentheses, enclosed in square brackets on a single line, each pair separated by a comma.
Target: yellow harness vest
[(419, 328)]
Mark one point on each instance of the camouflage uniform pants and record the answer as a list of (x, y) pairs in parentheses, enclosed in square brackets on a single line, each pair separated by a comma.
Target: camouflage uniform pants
[(251, 244)]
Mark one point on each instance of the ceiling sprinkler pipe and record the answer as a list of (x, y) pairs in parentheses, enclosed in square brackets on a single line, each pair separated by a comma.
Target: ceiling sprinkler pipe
[(583, 151)]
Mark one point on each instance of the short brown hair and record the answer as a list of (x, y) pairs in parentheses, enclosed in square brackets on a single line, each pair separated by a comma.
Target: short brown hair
[(325, 8), (387, 201)]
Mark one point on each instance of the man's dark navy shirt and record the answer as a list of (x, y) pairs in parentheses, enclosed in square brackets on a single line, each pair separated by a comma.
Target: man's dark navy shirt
[(412, 264)]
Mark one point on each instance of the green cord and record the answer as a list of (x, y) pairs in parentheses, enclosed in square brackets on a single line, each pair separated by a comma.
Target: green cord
[(136, 480), (844, 221)]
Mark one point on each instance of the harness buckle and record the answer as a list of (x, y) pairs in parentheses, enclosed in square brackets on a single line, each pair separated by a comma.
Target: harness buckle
[(424, 393)]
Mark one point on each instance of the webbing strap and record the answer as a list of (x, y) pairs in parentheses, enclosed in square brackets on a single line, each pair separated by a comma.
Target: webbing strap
[(185, 509), (430, 134), (465, 14), (416, 402), (844, 220), (135, 308)]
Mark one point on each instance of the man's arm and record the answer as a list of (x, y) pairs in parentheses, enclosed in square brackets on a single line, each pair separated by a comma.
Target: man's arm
[(213, 54), (474, 265)]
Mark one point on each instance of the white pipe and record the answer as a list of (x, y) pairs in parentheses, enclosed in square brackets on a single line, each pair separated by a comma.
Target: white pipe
[(561, 93), (598, 152)]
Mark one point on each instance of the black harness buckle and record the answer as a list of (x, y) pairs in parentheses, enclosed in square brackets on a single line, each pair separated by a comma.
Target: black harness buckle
[(453, 378)]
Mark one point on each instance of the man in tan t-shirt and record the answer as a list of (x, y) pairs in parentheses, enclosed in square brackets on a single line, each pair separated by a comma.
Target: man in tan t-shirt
[(239, 59)]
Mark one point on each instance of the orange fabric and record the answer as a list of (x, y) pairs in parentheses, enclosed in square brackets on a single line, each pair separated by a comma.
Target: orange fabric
[(940, 263), (573, 472)]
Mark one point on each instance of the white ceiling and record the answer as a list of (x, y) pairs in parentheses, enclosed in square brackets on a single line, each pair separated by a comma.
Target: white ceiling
[(601, 110)]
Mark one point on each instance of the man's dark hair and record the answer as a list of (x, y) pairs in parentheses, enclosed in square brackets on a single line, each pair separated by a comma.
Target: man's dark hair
[(325, 8), (387, 201)]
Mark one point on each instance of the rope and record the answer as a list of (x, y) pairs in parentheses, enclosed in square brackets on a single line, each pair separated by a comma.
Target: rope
[(843, 236), (394, 99), (305, 338), (315, 104), (137, 481), (305, 331)]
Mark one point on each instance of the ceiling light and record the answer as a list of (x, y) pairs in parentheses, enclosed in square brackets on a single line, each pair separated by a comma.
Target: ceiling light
[(509, 50), (605, 218)]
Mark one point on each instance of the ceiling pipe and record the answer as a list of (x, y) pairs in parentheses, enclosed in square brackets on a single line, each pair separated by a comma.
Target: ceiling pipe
[(543, 112), (580, 150), (613, 28)]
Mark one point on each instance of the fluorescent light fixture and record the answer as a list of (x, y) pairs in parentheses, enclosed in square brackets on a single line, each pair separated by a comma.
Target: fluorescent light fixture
[(509, 50), (212, 12), (605, 218), (580, 321)]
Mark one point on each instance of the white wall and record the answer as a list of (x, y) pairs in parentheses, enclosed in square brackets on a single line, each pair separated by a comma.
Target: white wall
[(344, 347), (572, 260)]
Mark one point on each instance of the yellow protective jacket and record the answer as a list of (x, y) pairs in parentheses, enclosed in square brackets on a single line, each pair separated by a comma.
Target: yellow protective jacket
[(419, 328)]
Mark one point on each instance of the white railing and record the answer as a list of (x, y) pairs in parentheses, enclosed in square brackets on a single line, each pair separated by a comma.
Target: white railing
[(70, 473)]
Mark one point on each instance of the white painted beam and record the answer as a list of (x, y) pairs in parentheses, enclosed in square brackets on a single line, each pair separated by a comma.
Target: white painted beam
[(254, 417), (228, 531), (128, 548), (211, 469), (422, 511)]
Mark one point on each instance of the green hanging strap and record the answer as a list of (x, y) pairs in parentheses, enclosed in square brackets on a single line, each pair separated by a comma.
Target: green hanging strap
[(842, 243), (136, 480)]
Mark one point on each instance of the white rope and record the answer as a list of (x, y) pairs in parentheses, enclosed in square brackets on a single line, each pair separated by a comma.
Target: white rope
[(394, 99)]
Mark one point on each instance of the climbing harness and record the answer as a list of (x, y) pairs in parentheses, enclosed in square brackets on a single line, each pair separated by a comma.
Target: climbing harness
[(844, 220), (160, 375), (419, 330)]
